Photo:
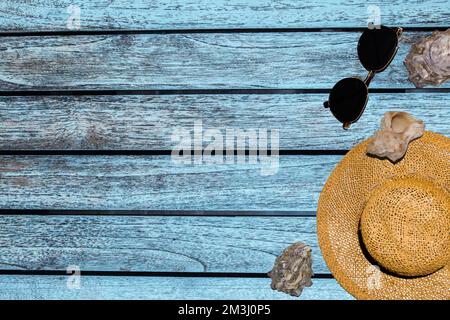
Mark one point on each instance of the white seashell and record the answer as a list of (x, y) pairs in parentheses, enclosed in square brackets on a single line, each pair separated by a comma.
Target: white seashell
[(398, 129), (428, 61), (292, 270)]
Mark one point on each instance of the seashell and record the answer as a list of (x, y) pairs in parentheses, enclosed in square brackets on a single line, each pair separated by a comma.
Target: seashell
[(428, 61), (292, 270), (398, 129)]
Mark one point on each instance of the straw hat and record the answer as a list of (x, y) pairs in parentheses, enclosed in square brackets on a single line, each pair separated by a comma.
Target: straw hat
[(384, 228)]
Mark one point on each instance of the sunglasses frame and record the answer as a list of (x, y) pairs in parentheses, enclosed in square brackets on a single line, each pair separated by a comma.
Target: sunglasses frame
[(346, 125)]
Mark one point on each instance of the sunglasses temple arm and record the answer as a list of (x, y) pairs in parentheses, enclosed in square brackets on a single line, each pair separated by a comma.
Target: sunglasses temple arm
[(369, 78)]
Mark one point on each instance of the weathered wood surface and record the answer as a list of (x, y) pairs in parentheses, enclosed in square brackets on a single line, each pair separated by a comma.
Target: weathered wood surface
[(190, 14), (310, 60), (158, 288), (147, 122), (191, 61), (153, 244), (157, 183)]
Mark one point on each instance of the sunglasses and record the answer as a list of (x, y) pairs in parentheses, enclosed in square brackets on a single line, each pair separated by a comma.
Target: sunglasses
[(376, 49)]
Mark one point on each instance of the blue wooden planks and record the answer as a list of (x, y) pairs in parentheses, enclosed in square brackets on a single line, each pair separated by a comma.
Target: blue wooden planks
[(152, 244), (147, 122), (201, 14), (303, 60), (315, 57), (158, 183), (158, 288)]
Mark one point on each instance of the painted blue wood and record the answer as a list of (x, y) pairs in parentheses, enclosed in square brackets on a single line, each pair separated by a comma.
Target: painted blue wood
[(191, 61), (195, 14), (147, 122), (158, 183), (179, 61), (156, 244), (156, 288)]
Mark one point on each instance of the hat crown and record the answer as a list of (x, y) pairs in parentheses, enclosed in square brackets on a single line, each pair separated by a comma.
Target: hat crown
[(405, 226)]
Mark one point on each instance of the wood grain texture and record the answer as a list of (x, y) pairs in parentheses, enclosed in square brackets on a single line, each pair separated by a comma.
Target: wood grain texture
[(191, 61), (193, 14), (157, 183), (159, 288), (153, 244), (147, 122)]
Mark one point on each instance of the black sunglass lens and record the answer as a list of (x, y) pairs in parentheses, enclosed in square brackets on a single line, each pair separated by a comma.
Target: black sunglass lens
[(376, 48), (348, 99)]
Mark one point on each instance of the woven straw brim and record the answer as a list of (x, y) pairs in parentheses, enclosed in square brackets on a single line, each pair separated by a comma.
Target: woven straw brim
[(341, 204)]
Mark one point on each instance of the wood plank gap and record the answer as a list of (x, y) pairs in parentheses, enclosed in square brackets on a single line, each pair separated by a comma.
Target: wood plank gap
[(162, 213), (149, 274), (28, 93), (197, 31)]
